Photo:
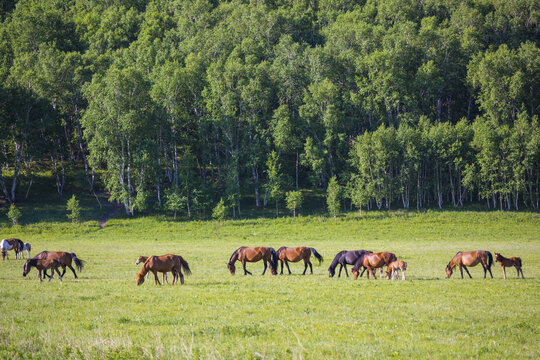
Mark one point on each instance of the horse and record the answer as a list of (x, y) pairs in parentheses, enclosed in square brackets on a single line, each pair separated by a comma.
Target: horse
[(163, 264), (393, 268), (507, 262), (286, 254), (371, 262), (28, 248), (254, 254), (43, 264), (470, 258), (343, 258), (64, 258), (11, 244), (142, 259)]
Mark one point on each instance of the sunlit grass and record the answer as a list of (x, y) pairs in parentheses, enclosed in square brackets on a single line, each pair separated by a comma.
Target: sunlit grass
[(216, 315)]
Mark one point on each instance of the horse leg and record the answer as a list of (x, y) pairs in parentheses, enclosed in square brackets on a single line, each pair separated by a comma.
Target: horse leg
[(265, 266), (468, 273), (305, 267), (281, 261), (521, 269), (402, 274), (363, 271), (156, 277), (380, 273), (461, 270), (39, 275), (181, 278), (310, 267), (165, 280), (346, 272), (58, 272), (341, 268), (504, 272), (72, 269), (245, 270), (288, 268), (490, 273)]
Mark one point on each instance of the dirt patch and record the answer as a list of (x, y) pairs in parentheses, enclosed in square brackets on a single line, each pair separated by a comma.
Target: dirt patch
[(113, 211)]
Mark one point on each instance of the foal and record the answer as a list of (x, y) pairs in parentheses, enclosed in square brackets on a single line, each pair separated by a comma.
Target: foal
[(43, 264), (393, 268), (507, 262)]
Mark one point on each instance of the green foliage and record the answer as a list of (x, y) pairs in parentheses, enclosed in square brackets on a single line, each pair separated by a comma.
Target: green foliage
[(74, 209), (220, 210), (275, 178), (294, 201), (14, 214), (333, 197), (174, 202)]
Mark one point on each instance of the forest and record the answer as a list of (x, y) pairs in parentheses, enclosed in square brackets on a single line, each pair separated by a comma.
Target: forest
[(186, 103)]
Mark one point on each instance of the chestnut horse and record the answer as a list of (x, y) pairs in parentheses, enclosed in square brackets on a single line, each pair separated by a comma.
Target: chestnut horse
[(163, 264), (286, 254), (254, 254), (393, 269), (43, 264), (142, 259), (343, 258), (508, 262), (470, 258), (64, 258), (11, 244), (372, 261)]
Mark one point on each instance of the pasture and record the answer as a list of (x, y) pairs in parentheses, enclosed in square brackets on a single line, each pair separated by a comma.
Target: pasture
[(214, 315)]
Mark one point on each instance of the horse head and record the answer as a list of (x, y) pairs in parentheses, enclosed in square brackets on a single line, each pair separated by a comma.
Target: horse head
[(141, 259), (140, 279), (231, 268), (448, 271), (27, 266), (355, 271), (497, 257), (331, 271)]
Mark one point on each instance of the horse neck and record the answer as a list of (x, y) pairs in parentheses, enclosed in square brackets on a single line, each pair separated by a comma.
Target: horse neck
[(145, 269), (234, 257), (335, 262)]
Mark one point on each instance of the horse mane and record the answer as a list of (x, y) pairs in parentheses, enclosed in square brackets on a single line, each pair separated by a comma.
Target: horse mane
[(278, 250), (234, 253)]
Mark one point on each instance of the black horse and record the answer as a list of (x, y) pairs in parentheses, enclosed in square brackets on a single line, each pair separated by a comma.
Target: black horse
[(343, 258)]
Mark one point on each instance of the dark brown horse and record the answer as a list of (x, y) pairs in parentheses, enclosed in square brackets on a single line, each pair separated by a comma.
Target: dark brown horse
[(142, 259), (470, 258), (64, 258), (286, 254), (11, 244), (344, 258), (373, 261), (43, 265), (254, 254), (508, 262), (163, 264)]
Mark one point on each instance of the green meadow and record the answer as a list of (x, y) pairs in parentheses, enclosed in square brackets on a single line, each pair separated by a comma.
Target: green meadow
[(214, 315)]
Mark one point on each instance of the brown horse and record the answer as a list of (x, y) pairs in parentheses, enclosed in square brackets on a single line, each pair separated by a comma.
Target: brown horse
[(163, 264), (508, 262), (371, 262), (393, 269), (11, 244), (43, 264), (64, 258), (286, 254), (470, 258), (254, 254), (142, 259)]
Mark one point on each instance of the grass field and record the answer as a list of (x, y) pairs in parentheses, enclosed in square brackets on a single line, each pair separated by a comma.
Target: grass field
[(216, 315)]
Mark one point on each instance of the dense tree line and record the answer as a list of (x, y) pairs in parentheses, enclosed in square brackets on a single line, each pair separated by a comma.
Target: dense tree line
[(402, 103)]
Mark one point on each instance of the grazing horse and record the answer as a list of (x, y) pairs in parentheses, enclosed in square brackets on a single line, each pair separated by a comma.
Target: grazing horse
[(28, 248), (11, 244), (286, 254), (142, 259), (163, 264), (43, 264), (64, 258), (470, 258), (371, 262), (393, 268), (254, 254), (508, 262), (343, 258)]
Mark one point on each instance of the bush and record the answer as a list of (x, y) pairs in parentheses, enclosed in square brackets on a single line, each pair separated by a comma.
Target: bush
[(294, 201), (74, 209), (14, 214), (219, 211)]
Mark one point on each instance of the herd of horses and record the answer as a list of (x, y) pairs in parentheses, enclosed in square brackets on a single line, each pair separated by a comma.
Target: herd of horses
[(365, 259)]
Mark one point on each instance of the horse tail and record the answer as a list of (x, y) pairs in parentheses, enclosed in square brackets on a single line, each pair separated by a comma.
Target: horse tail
[(490, 259), (274, 259), (78, 262), (185, 265), (317, 255)]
